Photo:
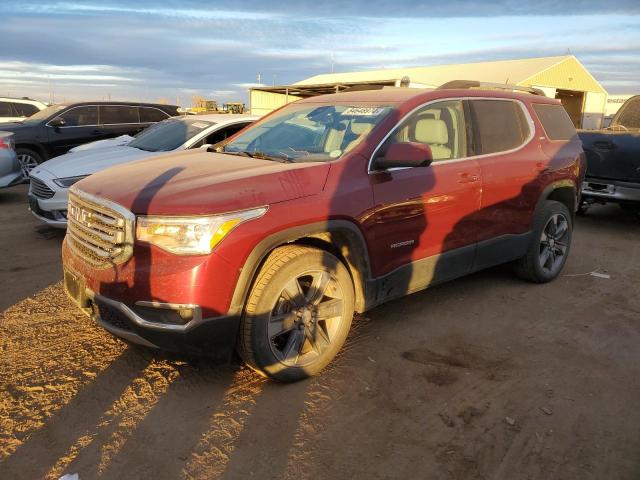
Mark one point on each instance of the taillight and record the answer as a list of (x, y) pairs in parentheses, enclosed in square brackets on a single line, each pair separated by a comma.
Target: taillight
[(6, 142)]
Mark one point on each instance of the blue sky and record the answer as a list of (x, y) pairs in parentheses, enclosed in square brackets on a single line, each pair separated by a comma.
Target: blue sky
[(147, 50)]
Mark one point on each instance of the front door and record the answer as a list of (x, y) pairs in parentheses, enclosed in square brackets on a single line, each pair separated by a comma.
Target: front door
[(424, 217), (81, 126)]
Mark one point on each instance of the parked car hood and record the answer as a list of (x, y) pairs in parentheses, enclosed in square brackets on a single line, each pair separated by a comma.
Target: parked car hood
[(199, 183), (90, 161)]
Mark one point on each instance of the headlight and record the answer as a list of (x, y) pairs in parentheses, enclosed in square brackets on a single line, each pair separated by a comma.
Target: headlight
[(68, 181), (191, 235)]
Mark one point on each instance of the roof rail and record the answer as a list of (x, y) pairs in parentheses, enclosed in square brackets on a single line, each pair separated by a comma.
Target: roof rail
[(468, 84)]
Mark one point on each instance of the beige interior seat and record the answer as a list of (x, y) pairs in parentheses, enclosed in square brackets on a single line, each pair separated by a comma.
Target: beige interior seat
[(434, 133), (362, 130)]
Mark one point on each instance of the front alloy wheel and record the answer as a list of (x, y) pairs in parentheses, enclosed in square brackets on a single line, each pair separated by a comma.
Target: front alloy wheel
[(306, 318), (298, 313)]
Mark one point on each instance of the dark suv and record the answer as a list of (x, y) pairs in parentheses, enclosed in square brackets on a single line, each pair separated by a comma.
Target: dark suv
[(330, 205), (54, 130)]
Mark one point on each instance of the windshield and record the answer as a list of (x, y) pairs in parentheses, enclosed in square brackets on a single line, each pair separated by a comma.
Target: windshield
[(169, 134), (309, 132), (46, 113)]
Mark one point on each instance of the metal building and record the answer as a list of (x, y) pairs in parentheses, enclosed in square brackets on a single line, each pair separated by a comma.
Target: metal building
[(561, 77)]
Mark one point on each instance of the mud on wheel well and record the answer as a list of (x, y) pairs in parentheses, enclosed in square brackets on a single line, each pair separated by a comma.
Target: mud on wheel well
[(566, 195), (342, 247)]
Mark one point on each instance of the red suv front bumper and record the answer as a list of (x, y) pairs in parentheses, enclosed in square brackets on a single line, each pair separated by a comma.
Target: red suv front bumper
[(160, 300)]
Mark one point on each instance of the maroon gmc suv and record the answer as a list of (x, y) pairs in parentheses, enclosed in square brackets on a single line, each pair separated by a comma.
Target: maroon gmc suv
[(328, 206)]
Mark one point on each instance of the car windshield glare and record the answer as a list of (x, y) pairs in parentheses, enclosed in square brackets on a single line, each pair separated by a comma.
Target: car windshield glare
[(44, 114), (310, 132), (169, 134)]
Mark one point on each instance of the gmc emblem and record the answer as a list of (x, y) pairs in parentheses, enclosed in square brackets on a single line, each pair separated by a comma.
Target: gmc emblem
[(80, 215)]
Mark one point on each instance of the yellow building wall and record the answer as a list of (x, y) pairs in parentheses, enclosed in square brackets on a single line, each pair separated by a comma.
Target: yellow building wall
[(566, 75), (266, 102)]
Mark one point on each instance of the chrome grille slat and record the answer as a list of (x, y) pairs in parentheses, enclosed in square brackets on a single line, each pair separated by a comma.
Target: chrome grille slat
[(100, 232), (87, 235), (40, 189), (112, 238)]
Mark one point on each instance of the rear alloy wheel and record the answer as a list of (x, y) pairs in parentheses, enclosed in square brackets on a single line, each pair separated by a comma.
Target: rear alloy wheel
[(28, 160), (549, 249), (298, 314), (554, 244)]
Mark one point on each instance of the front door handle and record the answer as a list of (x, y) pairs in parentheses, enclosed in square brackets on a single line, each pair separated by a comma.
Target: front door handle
[(468, 178)]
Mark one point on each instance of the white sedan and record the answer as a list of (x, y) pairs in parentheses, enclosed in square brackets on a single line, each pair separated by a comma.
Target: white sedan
[(50, 181)]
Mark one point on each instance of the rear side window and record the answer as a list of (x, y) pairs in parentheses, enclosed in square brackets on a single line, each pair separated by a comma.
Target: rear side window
[(80, 116), (113, 114), (152, 115), (500, 125), (24, 109), (556, 121), (630, 115)]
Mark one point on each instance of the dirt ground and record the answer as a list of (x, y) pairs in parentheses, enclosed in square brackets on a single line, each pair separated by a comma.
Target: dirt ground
[(486, 377)]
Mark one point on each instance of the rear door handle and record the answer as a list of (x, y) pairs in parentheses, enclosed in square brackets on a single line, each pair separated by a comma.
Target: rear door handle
[(468, 178), (604, 144)]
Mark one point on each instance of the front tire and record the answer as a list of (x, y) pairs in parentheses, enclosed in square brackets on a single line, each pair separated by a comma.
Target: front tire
[(298, 313), (28, 159), (547, 255)]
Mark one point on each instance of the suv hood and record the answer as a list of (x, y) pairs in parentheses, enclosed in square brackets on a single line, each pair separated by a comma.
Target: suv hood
[(87, 162), (201, 183)]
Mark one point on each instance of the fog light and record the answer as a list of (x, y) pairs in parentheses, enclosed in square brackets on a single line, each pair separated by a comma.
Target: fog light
[(166, 313)]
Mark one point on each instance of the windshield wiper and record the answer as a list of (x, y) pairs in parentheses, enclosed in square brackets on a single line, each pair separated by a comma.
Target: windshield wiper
[(260, 156)]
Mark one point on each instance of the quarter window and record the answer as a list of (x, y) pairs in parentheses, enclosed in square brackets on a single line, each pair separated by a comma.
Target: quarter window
[(114, 114), (5, 110), (81, 116), (440, 125), (500, 125), (556, 121), (152, 115)]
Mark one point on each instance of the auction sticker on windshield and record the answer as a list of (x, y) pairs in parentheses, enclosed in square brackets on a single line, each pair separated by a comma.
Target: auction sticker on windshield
[(363, 111)]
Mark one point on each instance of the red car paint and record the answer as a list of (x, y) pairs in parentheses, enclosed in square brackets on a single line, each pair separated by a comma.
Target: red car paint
[(436, 209)]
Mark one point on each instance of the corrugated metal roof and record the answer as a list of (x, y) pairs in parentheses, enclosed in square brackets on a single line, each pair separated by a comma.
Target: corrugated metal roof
[(502, 71)]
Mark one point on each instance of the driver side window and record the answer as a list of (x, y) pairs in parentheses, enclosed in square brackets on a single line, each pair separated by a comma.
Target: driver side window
[(440, 125)]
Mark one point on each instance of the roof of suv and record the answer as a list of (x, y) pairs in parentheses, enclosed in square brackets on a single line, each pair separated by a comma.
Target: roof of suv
[(400, 95), (133, 104)]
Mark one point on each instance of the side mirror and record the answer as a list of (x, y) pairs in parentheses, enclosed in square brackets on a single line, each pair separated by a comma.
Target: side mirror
[(205, 147), (409, 154), (57, 122)]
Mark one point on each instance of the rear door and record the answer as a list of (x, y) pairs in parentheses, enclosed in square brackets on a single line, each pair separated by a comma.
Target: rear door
[(116, 120), (510, 165), (81, 126), (422, 230)]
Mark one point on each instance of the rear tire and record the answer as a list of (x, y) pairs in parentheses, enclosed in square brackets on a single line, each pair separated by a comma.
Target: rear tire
[(549, 249), (298, 313)]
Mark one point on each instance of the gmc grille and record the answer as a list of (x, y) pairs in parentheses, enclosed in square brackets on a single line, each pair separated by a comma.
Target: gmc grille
[(98, 231), (40, 189)]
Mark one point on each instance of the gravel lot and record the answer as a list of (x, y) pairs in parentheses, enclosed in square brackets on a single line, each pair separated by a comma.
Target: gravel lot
[(482, 378)]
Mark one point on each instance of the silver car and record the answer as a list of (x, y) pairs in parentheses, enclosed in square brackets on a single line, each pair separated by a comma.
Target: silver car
[(10, 171)]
